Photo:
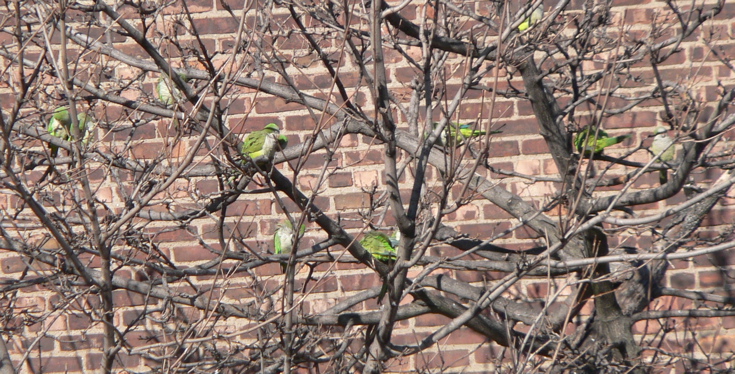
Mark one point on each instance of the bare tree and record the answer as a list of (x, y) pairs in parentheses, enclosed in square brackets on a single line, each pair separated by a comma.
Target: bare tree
[(549, 231)]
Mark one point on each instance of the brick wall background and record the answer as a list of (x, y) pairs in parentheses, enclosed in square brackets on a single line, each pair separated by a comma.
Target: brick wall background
[(203, 292)]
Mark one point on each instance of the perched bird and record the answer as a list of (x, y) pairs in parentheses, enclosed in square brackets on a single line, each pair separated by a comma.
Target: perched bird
[(456, 133), (586, 142), (166, 90), (379, 245), (86, 127), (663, 146), (284, 238), (536, 16), (60, 127), (264, 142)]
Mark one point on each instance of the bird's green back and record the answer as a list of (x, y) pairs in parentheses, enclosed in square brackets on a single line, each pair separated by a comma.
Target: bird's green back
[(253, 143), (379, 245), (591, 140), (536, 16), (456, 133)]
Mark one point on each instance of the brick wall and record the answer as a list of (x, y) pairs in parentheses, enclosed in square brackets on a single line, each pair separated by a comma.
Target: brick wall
[(202, 292)]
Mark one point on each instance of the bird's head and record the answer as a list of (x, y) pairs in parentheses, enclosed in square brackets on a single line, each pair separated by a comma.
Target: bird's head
[(62, 114), (286, 225), (661, 130), (272, 127)]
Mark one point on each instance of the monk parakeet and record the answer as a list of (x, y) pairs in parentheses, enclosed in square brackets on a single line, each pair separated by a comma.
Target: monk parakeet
[(284, 238), (60, 127), (379, 245), (456, 133), (536, 16), (585, 141), (264, 142), (166, 90), (663, 145), (86, 127)]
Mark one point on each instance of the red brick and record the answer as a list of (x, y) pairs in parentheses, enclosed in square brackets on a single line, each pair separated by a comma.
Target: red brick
[(484, 230), (711, 279), (315, 161), (526, 233), (49, 364), (249, 208), (337, 180), (123, 360), (504, 148), (45, 344), (312, 82), (193, 6), (492, 211), (147, 150), (79, 321), (470, 276), (467, 336), (80, 342), (373, 156), (170, 236), (208, 186), (209, 25), (534, 146), (127, 298), (329, 284), (718, 217), (517, 127), (500, 110), (432, 320), (192, 253), (490, 353), (275, 105), (12, 265), (646, 327), (538, 290), (359, 282), (353, 200), (682, 281)]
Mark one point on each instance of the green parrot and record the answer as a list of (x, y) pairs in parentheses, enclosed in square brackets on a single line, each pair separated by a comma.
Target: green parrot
[(585, 141), (264, 142), (60, 127), (663, 145), (456, 133), (379, 245), (536, 16), (166, 90), (86, 127), (284, 238)]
